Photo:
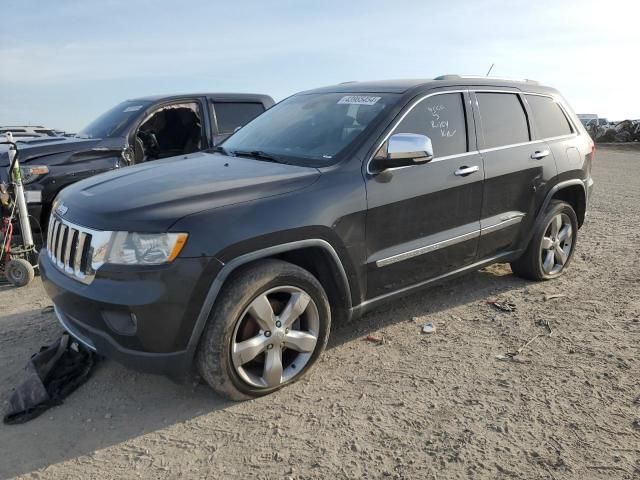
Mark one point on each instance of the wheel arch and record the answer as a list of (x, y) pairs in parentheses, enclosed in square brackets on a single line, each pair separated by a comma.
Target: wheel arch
[(575, 195), (572, 191), (315, 255)]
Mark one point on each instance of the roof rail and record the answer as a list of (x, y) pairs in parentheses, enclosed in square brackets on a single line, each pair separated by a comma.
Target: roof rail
[(461, 77)]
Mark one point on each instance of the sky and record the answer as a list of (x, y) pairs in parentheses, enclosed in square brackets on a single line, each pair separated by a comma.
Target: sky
[(62, 63)]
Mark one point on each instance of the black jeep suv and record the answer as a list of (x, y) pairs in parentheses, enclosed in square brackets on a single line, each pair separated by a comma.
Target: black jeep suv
[(328, 204)]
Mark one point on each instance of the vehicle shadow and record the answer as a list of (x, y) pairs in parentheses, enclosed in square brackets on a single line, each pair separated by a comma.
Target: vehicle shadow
[(470, 288), (115, 405), (118, 404)]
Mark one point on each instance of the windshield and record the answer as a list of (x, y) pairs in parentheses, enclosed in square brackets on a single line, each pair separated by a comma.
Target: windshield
[(313, 127), (114, 122)]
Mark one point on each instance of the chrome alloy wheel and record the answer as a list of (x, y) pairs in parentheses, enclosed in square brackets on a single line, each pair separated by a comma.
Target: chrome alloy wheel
[(275, 337), (556, 244)]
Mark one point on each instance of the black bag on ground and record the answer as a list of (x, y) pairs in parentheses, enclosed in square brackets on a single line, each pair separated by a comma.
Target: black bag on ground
[(52, 374)]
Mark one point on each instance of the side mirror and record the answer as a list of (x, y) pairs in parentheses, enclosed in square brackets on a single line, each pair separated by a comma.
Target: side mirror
[(403, 150), (128, 155)]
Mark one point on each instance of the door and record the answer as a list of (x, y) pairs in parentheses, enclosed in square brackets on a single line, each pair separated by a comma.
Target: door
[(424, 220), (552, 125), (517, 169)]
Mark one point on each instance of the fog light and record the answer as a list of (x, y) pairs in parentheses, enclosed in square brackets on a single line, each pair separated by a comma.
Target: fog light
[(122, 323)]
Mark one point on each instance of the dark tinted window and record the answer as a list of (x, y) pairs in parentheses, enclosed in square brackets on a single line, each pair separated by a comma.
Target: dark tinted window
[(441, 118), (233, 115), (504, 121), (550, 119)]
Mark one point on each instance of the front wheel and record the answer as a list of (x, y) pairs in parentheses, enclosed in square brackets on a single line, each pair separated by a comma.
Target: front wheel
[(267, 328), (19, 272), (552, 245)]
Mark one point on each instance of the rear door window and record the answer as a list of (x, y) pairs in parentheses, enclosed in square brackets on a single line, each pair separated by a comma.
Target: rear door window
[(549, 117), (442, 119), (231, 115), (504, 121)]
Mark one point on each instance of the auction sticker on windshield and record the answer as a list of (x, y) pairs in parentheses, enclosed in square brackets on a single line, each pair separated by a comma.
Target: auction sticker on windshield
[(358, 100)]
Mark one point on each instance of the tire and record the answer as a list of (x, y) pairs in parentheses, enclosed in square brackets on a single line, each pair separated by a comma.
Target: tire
[(19, 272), (241, 314), (550, 250)]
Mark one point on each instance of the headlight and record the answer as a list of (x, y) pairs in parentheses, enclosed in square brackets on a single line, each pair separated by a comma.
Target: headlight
[(32, 173), (128, 248)]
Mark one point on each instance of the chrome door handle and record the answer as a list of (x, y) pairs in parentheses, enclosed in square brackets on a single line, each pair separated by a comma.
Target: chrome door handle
[(539, 154), (464, 171)]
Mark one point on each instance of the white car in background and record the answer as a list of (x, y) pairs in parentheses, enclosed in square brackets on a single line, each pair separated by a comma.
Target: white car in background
[(29, 131)]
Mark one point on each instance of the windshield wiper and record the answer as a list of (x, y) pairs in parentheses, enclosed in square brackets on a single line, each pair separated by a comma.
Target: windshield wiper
[(258, 154), (219, 148)]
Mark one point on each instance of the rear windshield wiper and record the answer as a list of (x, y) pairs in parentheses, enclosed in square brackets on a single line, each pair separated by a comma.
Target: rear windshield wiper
[(259, 154)]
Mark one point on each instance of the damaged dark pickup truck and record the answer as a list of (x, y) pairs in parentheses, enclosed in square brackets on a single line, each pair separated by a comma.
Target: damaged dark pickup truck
[(133, 132)]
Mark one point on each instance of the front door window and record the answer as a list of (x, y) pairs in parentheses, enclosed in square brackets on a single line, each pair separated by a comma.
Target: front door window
[(171, 130)]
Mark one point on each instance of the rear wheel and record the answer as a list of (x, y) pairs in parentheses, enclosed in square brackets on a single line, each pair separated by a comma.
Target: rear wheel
[(267, 328), (552, 245)]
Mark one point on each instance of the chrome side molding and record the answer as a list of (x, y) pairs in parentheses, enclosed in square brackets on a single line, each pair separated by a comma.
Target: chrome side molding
[(487, 226)]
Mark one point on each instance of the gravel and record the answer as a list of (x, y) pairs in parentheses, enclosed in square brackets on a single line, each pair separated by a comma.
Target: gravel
[(415, 406)]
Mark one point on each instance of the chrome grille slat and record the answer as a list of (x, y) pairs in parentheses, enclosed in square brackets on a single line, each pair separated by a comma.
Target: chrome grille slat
[(77, 261), (51, 223), (70, 248), (67, 249), (61, 237), (54, 238)]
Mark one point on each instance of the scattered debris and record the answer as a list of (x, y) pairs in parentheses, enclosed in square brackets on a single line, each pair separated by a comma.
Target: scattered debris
[(51, 375), (624, 131), (544, 322), (505, 306), (47, 309), (554, 296), (510, 355), (428, 328), (377, 340)]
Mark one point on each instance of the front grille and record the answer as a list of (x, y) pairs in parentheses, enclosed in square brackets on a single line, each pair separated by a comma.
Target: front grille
[(69, 248)]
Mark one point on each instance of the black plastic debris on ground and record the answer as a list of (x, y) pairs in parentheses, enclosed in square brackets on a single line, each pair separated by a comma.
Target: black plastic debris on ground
[(51, 375), (504, 306)]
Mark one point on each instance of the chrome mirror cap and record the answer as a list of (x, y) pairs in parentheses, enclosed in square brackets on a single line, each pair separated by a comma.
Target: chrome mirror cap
[(409, 146)]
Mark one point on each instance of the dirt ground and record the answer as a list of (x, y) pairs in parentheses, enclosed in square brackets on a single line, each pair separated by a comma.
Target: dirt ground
[(436, 406)]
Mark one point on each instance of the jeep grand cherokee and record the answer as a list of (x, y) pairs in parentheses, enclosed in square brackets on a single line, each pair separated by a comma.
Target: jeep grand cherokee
[(330, 203)]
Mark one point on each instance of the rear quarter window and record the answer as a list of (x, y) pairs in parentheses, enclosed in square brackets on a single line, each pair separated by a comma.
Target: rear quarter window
[(231, 115), (504, 121), (442, 119), (549, 118)]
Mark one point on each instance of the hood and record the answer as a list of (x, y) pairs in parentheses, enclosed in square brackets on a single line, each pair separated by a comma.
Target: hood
[(153, 196), (57, 150)]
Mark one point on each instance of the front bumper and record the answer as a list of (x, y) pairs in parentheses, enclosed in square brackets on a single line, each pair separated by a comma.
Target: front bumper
[(158, 307)]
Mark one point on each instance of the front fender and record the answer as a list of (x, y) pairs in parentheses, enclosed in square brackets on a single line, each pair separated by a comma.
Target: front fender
[(252, 256)]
